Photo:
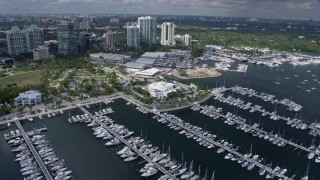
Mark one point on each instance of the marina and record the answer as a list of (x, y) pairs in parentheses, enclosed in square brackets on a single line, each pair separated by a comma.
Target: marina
[(291, 122), (279, 156), (254, 130), (208, 140), (119, 138)]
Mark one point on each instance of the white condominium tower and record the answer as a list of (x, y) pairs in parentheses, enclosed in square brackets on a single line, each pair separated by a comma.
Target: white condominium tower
[(187, 39), (148, 29), (167, 34), (133, 36)]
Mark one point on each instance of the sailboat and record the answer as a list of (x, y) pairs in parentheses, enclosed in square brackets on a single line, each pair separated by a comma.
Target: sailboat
[(205, 177), (277, 82), (70, 120), (212, 177), (188, 174), (306, 177)]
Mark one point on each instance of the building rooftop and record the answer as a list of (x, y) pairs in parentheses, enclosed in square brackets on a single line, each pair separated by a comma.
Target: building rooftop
[(161, 86), (29, 94), (33, 27), (135, 65), (15, 29), (143, 60), (148, 72), (154, 54)]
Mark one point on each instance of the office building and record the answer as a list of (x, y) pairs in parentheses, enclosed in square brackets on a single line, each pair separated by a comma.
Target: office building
[(133, 36), (34, 37), (42, 52), (187, 39), (167, 34), (109, 39), (84, 40), (16, 41), (66, 38), (28, 98), (148, 29)]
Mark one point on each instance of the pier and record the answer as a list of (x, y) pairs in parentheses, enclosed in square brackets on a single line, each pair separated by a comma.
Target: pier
[(230, 150), (313, 127), (34, 152), (297, 146), (146, 158)]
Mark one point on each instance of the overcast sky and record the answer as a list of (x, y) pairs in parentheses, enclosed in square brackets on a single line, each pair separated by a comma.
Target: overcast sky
[(281, 9)]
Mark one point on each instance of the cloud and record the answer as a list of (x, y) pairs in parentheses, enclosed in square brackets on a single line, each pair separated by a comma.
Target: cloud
[(303, 9)]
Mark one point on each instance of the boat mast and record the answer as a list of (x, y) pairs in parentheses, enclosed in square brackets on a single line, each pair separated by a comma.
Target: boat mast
[(182, 158), (212, 177), (191, 164), (205, 177)]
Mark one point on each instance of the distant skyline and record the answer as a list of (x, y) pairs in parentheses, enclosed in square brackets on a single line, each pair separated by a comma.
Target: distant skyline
[(275, 9)]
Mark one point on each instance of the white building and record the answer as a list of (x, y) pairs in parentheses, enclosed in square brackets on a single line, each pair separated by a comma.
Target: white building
[(167, 34), (114, 20), (110, 39), (161, 89), (148, 73), (133, 36), (29, 98), (148, 29), (187, 39), (42, 52)]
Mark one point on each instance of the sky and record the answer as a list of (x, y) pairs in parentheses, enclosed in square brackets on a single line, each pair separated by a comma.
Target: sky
[(279, 9)]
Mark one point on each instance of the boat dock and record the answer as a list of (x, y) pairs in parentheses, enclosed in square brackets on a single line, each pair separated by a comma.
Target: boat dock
[(228, 149), (255, 128), (146, 158), (314, 131), (34, 152)]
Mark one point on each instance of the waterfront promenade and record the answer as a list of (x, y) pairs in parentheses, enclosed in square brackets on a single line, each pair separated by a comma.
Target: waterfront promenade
[(101, 100)]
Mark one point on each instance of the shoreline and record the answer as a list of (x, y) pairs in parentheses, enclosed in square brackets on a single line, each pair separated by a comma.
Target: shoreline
[(114, 97), (199, 73)]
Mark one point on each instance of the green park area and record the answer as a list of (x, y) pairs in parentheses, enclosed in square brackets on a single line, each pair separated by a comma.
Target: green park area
[(276, 40), (22, 78)]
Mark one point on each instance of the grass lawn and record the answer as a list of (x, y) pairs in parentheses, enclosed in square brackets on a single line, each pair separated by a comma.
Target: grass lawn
[(21, 79)]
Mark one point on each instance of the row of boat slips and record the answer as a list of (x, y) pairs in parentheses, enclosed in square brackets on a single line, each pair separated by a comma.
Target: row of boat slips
[(29, 167), (16, 133), (54, 164), (49, 115), (135, 147), (291, 106), (104, 128), (208, 140), (294, 123), (291, 122), (240, 123)]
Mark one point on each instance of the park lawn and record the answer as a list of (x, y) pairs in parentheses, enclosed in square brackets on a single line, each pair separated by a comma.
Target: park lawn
[(21, 79)]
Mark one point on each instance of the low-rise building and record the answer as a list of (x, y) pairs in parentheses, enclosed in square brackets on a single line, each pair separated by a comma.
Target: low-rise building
[(7, 63), (103, 58), (42, 52), (28, 98), (136, 66), (161, 89), (148, 73)]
